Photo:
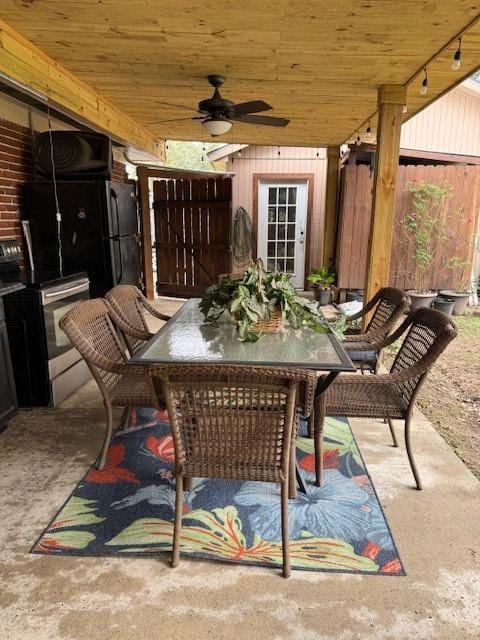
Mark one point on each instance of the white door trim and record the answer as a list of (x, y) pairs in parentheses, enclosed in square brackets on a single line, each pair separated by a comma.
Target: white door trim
[(282, 225)]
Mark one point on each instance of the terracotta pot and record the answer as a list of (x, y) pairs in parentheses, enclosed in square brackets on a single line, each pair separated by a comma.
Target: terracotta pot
[(421, 300), (444, 304), (461, 300)]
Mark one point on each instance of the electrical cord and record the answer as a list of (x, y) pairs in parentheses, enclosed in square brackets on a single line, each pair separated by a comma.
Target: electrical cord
[(58, 214)]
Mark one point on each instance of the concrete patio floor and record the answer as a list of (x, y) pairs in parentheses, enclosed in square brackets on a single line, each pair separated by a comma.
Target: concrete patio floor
[(45, 452)]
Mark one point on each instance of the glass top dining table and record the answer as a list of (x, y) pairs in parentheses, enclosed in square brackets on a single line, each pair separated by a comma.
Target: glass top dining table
[(184, 339)]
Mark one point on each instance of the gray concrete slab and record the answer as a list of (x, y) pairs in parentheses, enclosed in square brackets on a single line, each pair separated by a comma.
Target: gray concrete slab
[(45, 452)]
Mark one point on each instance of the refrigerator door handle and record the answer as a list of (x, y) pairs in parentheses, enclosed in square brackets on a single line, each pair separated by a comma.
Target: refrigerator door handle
[(120, 277), (114, 198), (28, 241), (116, 242)]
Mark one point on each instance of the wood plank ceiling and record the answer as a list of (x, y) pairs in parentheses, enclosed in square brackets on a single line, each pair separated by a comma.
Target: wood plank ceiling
[(318, 63)]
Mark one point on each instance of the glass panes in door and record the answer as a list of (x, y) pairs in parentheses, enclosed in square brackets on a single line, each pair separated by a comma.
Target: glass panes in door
[(282, 228), (282, 220)]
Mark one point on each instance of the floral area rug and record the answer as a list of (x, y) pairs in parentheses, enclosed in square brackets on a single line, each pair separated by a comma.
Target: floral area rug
[(127, 508)]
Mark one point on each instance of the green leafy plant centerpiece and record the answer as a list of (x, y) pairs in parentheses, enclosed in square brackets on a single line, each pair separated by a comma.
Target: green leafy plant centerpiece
[(257, 296)]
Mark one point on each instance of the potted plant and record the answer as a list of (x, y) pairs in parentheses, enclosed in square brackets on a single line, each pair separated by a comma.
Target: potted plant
[(322, 279), (424, 229), (463, 269), (258, 302), (444, 304)]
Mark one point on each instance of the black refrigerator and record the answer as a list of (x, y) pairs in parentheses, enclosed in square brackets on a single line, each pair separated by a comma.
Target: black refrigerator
[(98, 231)]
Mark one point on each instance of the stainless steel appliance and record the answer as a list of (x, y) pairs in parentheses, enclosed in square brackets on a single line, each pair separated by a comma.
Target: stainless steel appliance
[(46, 367)]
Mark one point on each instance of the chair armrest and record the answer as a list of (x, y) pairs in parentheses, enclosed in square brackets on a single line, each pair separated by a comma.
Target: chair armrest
[(125, 327), (152, 311)]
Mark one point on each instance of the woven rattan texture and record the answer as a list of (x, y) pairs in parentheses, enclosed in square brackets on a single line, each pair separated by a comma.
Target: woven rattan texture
[(231, 422), (388, 306), (92, 333), (428, 332), (127, 308)]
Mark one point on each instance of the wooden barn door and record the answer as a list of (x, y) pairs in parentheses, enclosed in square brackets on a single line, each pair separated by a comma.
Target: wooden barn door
[(192, 233)]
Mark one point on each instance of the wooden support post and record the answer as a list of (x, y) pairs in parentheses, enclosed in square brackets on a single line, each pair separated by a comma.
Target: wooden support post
[(146, 232), (331, 199), (391, 99)]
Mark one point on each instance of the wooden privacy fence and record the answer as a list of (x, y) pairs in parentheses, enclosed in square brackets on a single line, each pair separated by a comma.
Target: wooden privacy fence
[(460, 213), (192, 233)]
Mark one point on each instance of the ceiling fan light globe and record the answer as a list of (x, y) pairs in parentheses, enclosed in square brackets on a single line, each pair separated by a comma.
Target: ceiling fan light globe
[(217, 126)]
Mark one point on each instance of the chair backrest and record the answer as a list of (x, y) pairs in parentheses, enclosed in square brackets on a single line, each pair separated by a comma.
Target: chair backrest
[(127, 311), (428, 333), (91, 331), (229, 421), (390, 304)]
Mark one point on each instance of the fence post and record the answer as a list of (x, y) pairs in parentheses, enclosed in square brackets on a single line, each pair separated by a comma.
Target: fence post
[(331, 199)]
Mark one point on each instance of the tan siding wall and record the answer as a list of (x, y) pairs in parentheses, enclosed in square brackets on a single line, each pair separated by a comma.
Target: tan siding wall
[(449, 125), (292, 160)]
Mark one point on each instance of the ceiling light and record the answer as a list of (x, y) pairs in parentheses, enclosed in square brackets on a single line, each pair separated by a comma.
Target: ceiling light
[(424, 88), (217, 126), (457, 57)]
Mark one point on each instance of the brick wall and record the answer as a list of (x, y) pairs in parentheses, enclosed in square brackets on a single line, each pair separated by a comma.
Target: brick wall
[(119, 174), (16, 167)]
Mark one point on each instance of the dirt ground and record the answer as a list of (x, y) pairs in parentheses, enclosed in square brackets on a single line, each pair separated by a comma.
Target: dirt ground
[(450, 397)]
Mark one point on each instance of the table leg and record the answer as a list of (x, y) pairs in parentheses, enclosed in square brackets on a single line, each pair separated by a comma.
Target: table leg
[(321, 388)]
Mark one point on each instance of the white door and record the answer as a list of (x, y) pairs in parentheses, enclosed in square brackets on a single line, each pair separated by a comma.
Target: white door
[(282, 227)]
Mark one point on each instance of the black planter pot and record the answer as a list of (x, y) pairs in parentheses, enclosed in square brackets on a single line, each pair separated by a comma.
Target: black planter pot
[(460, 300), (444, 304), (354, 295), (322, 296)]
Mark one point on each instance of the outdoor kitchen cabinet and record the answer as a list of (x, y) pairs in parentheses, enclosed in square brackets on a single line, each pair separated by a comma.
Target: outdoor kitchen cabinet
[(8, 397)]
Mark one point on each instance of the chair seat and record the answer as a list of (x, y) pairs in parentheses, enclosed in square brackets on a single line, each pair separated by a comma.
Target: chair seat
[(133, 390), (364, 400)]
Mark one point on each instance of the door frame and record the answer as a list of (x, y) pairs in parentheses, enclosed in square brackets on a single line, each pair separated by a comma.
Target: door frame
[(285, 177)]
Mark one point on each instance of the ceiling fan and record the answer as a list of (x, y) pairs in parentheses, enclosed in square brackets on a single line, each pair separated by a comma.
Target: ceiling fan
[(218, 114)]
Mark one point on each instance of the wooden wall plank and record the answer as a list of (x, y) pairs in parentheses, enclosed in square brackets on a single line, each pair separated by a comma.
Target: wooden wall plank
[(465, 182)]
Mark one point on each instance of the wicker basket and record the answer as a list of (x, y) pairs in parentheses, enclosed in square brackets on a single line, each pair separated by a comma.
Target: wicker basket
[(273, 324)]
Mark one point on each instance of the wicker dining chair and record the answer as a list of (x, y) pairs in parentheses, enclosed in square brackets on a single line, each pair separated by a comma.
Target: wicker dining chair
[(235, 423), (127, 308), (91, 331), (391, 395), (388, 305)]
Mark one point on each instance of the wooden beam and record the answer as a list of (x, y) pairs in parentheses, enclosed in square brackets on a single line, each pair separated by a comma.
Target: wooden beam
[(391, 99), (23, 63), (143, 174), (331, 200), (451, 158)]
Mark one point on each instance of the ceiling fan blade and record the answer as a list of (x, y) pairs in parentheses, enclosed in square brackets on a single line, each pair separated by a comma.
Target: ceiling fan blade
[(176, 120), (243, 108), (264, 120)]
